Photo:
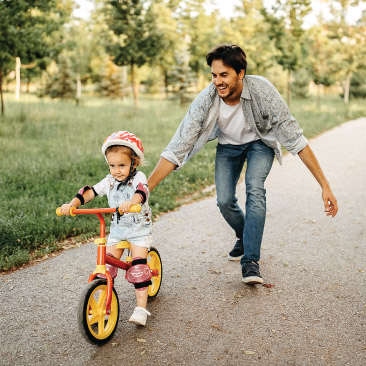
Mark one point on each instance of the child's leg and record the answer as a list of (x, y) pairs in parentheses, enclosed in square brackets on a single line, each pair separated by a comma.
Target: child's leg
[(140, 313), (116, 253), (141, 295)]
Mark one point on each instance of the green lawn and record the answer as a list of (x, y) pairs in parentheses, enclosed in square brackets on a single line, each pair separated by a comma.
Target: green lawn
[(49, 149)]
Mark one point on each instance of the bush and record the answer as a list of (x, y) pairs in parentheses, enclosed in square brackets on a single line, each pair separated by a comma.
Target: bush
[(358, 85)]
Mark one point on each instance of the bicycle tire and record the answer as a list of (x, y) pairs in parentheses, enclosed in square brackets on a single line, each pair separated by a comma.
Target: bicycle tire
[(154, 261), (97, 328)]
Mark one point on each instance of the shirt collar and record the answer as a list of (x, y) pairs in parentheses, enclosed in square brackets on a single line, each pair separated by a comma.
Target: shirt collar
[(245, 91)]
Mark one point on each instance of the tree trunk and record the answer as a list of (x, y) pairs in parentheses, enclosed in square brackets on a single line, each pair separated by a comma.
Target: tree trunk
[(134, 89), (124, 81), (346, 88), (17, 78), (1, 92), (78, 88)]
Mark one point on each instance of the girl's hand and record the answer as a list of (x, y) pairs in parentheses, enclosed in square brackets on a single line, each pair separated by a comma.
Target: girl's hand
[(65, 208), (125, 207)]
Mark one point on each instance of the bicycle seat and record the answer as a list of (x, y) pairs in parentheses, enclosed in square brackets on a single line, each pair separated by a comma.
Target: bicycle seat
[(124, 244)]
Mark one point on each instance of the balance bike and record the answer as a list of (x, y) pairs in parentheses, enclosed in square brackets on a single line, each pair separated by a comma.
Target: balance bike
[(98, 311)]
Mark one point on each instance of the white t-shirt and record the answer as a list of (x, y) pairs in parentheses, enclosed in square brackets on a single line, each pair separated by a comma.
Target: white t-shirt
[(233, 128)]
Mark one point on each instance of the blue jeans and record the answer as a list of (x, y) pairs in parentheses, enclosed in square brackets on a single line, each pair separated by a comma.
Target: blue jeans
[(229, 164)]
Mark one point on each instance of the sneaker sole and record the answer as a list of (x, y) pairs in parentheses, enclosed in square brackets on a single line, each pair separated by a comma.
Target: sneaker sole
[(137, 322), (234, 259), (253, 280)]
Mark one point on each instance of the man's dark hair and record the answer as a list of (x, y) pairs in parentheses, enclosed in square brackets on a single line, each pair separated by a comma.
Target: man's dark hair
[(231, 55)]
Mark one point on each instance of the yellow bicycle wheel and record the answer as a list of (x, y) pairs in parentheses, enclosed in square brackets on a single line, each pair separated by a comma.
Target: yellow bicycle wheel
[(96, 326), (154, 262)]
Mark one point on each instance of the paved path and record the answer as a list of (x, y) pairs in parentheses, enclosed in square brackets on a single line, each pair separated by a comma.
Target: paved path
[(204, 314)]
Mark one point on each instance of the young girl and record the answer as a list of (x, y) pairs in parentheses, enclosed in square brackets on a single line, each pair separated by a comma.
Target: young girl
[(125, 186)]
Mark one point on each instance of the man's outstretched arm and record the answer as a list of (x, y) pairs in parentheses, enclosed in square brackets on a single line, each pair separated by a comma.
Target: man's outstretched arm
[(162, 169), (309, 159)]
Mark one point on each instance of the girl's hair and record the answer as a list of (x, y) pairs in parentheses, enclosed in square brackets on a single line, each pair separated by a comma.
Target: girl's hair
[(231, 55), (125, 150)]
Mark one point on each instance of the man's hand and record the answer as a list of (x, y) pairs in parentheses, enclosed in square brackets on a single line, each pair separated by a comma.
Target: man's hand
[(330, 202), (162, 169), (310, 160)]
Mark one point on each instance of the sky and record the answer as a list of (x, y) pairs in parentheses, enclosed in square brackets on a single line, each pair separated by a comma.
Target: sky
[(227, 8)]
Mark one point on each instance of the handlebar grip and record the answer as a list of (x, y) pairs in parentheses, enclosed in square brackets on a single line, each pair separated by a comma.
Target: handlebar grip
[(133, 209), (59, 213), (72, 211)]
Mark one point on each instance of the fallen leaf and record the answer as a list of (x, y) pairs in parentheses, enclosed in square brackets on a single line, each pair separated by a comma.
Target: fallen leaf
[(141, 340), (214, 271), (216, 327), (248, 352)]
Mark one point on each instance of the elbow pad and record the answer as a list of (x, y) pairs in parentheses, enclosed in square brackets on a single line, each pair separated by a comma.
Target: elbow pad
[(81, 191), (143, 191)]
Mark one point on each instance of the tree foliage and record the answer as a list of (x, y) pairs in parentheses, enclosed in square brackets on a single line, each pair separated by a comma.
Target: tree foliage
[(163, 42), (26, 29), (136, 38), (286, 29)]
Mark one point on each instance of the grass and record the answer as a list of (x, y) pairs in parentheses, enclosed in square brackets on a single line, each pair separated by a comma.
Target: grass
[(49, 149)]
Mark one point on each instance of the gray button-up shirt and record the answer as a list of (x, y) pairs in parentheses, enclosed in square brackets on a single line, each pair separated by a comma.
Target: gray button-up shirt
[(264, 109)]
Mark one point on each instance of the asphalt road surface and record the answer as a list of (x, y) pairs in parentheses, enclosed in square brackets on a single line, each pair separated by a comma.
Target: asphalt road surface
[(204, 314)]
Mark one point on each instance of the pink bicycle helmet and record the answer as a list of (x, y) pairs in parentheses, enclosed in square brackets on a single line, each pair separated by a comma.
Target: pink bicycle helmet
[(124, 138)]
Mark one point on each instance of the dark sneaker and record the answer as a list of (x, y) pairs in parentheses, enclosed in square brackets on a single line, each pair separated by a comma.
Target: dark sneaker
[(237, 251), (251, 275)]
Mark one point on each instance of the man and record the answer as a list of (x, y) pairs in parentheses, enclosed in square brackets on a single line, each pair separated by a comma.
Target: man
[(251, 121)]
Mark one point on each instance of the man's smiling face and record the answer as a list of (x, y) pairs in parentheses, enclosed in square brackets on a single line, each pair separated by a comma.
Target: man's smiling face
[(228, 83)]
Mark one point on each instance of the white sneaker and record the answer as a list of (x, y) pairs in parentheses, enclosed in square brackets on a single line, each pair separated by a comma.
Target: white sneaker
[(139, 316)]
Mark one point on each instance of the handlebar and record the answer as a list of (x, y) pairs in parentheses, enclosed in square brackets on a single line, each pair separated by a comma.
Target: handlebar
[(75, 211)]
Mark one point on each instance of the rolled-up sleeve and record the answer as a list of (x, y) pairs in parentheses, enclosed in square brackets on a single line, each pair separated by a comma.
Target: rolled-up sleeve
[(285, 127), (184, 138)]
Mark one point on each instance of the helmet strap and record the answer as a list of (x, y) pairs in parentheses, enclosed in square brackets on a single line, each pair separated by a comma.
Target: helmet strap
[(130, 175)]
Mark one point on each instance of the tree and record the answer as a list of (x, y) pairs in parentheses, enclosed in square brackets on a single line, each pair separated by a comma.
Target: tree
[(112, 84), (181, 76), (351, 43), (25, 29), (249, 29), (136, 38), (323, 61), (202, 31), (84, 49), (167, 23), (286, 21), (60, 80)]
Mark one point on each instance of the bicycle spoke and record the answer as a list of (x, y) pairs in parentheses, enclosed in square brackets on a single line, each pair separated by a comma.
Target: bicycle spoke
[(102, 298), (93, 304), (101, 326)]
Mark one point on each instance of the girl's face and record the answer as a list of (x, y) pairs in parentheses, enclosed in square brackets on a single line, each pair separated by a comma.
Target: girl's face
[(119, 165)]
